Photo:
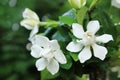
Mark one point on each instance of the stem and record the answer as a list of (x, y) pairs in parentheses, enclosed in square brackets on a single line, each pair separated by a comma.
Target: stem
[(93, 4), (47, 24), (80, 15)]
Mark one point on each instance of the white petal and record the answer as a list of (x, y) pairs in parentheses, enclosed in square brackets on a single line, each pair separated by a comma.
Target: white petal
[(60, 57), (28, 46), (32, 39), (93, 26), (116, 3), (42, 41), (35, 51), (76, 3), (26, 24), (99, 51), (77, 30), (85, 54), (53, 66), (41, 64), (30, 14), (47, 53), (34, 31), (74, 47), (29, 23), (104, 38), (54, 44)]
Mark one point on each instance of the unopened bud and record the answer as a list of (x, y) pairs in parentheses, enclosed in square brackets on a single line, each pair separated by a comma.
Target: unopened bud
[(77, 3), (29, 23)]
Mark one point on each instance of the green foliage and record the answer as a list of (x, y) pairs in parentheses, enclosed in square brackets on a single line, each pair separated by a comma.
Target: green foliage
[(66, 20), (68, 17), (68, 65), (107, 24), (84, 77), (74, 56), (80, 15), (45, 75)]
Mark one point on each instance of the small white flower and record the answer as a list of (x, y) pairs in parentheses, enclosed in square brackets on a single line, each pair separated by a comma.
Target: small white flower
[(87, 40), (49, 54), (116, 3), (30, 21)]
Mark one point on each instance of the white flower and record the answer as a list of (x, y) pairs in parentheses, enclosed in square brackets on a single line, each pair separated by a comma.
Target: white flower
[(30, 21), (86, 40), (116, 3), (49, 54), (77, 3)]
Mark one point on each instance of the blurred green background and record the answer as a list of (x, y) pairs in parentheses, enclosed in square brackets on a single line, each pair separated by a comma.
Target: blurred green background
[(16, 63)]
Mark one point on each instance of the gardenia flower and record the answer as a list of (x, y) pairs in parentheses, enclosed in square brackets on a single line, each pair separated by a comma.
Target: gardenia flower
[(77, 3), (86, 40), (116, 3), (49, 54), (30, 21)]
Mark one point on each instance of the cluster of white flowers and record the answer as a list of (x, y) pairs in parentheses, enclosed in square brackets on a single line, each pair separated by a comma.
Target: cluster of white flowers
[(49, 54), (48, 51)]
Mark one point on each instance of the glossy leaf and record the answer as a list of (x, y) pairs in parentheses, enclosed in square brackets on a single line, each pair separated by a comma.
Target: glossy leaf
[(74, 56)]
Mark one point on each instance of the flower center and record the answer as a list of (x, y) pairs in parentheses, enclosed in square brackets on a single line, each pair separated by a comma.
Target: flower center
[(48, 53), (88, 38)]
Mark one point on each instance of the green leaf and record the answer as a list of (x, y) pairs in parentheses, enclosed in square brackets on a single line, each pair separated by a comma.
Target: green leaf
[(13, 77), (114, 12), (81, 14), (103, 5), (68, 65), (66, 20), (84, 77), (89, 3), (45, 75), (74, 56), (61, 34), (58, 36)]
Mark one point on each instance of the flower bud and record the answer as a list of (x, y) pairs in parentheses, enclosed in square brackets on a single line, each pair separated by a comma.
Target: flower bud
[(29, 23), (30, 14), (30, 20), (77, 3)]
